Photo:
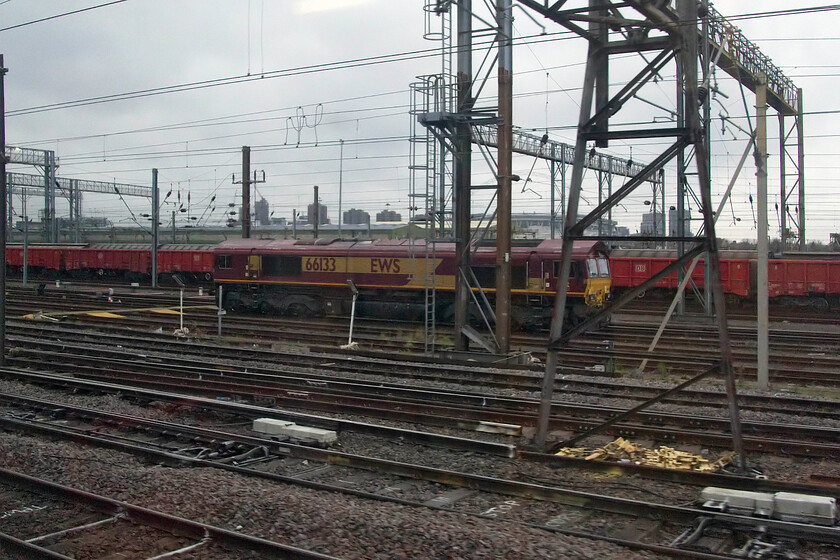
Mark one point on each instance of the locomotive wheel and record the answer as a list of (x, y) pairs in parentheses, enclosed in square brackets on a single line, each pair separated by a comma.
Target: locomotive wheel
[(299, 310), (447, 314), (820, 303), (299, 306)]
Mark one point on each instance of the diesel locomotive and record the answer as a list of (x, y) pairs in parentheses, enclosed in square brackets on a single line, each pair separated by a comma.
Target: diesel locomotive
[(395, 277)]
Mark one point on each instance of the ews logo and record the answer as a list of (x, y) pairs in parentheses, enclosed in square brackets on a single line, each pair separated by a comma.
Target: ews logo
[(385, 266)]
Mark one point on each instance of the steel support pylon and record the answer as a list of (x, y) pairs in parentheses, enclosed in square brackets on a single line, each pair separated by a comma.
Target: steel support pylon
[(456, 131), (670, 35)]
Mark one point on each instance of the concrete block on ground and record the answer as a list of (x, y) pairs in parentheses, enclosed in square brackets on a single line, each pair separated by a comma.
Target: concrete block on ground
[(499, 428), (307, 433), (803, 507), (757, 503), (272, 427)]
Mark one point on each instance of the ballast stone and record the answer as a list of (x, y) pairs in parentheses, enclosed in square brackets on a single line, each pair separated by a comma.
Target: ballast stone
[(273, 427)]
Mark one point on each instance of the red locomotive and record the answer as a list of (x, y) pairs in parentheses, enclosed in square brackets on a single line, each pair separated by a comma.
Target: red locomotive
[(310, 277)]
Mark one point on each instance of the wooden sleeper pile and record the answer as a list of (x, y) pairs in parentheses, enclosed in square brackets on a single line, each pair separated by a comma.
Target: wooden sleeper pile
[(664, 457)]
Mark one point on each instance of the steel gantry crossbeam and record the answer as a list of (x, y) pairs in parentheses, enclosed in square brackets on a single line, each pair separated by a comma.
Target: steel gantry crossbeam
[(542, 147), (27, 184), (743, 60), (50, 187), (66, 186), (727, 48), (664, 33), (40, 158), (606, 166), (28, 156)]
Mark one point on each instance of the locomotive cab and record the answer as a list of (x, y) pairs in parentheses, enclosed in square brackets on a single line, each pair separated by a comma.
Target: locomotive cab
[(589, 278), (598, 282)]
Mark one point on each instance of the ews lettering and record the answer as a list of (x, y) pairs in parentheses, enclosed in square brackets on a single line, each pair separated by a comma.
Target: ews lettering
[(385, 266)]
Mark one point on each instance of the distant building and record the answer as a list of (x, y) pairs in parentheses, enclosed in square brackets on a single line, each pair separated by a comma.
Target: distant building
[(602, 226), (85, 222), (261, 213), (534, 225), (66, 224), (675, 227), (321, 214), (354, 216), (388, 216), (653, 224), (537, 225)]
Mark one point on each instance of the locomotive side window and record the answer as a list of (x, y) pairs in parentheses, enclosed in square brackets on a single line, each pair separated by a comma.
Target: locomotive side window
[(276, 265), (486, 276), (223, 262), (603, 267), (519, 277), (572, 273)]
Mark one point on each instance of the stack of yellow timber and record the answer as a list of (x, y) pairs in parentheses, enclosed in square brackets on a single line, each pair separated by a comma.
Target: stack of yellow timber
[(622, 450)]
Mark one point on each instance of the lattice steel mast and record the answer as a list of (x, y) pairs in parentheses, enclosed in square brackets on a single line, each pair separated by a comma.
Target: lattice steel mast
[(678, 41)]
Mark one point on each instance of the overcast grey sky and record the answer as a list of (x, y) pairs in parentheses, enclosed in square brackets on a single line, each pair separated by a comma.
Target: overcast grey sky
[(292, 78)]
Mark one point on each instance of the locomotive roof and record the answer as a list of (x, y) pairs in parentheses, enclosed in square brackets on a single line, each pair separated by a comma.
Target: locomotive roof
[(304, 246), (163, 247)]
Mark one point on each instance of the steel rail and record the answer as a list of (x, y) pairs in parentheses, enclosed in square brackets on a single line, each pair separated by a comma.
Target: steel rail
[(159, 520), (538, 492), (653, 425), (291, 449), (371, 363)]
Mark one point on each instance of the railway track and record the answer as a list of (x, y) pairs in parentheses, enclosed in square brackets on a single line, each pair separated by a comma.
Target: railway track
[(43, 519), (632, 523), (656, 308), (797, 358), (240, 375), (388, 413), (432, 408), (525, 379)]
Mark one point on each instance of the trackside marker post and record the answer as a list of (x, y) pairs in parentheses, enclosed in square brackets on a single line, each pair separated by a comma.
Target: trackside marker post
[(355, 291), (221, 313)]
